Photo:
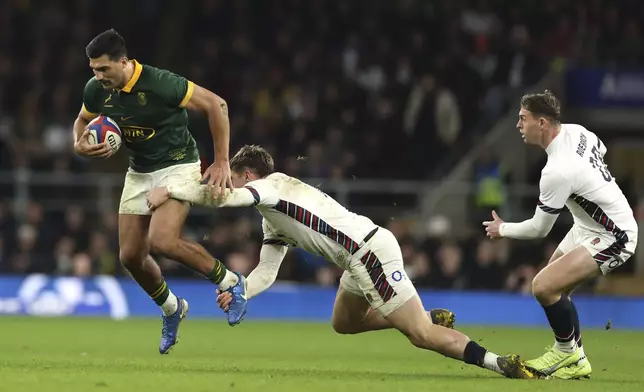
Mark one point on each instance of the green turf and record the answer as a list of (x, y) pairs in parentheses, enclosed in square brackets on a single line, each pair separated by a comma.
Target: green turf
[(99, 355)]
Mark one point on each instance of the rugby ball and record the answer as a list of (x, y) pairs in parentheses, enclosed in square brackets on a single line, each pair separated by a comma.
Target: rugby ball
[(103, 129)]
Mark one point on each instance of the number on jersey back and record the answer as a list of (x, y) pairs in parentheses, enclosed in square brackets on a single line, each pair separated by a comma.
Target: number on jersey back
[(597, 161)]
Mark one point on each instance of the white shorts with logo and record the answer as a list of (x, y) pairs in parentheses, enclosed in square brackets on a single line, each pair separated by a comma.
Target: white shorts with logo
[(138, 184), (376, 272), (608, 252)]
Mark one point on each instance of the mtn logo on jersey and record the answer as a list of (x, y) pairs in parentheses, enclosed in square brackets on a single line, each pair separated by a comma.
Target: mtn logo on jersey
[(137, 134)]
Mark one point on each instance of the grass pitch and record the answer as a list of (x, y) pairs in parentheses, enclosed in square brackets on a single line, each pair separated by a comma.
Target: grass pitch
[(80, 355)]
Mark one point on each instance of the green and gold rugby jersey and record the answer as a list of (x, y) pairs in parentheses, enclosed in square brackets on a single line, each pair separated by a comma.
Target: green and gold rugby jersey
[(150, 110)]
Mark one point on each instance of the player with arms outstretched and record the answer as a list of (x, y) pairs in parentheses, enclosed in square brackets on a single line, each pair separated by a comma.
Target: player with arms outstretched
[(374, 294), (149, 105), (603, 236)]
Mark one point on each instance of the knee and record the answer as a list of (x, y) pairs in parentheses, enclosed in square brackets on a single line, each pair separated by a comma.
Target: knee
[(161, 242), (344, 326), (131, 256), (542, 291)]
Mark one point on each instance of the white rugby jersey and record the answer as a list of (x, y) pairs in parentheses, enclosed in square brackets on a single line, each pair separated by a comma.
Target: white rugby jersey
[(295, 214), (577, 177)]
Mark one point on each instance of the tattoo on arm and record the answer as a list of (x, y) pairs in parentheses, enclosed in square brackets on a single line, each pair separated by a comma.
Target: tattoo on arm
[(224, 108)]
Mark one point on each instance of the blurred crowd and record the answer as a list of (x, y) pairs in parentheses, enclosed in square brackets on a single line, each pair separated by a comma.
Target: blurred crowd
[(77, 243), (309, 78), (334, 89)]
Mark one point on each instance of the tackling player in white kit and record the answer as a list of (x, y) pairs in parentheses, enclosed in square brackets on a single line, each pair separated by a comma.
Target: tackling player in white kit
[(603, 236), (374, 294)]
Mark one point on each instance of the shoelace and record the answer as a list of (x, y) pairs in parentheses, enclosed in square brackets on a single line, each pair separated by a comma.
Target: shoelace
[(166, 325), (548, 352), (164, 330)]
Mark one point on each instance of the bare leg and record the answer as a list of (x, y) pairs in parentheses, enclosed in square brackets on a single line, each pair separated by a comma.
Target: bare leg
[(352, 314), (134, 248), (412, 321), (553, 286), (165, 238)]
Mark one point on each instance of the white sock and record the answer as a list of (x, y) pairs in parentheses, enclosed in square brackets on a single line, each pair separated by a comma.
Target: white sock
[(489, 362), (583, 354), (229, 281), (170, 305), (566, 347)]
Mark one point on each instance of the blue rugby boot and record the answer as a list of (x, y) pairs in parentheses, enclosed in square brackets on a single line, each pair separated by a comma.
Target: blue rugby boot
[(237, 307), (170, 330)]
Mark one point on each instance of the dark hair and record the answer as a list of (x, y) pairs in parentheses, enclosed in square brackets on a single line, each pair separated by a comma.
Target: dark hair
[(108, 42), (253, 158), (542, 105)]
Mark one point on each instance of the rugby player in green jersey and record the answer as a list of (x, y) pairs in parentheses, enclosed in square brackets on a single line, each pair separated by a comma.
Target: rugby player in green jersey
[(149, 105)]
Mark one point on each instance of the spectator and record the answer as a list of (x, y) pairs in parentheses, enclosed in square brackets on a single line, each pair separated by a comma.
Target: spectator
[(487, 273), (332, 90)]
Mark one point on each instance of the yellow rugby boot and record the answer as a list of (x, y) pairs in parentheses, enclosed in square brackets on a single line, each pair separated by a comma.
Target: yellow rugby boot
[(577, 371), (442, 317), (553, 360), (513, 367)]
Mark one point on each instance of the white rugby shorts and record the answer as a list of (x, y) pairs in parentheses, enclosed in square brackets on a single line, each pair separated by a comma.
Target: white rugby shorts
[(376, 272), (607, 249), (138, 184)]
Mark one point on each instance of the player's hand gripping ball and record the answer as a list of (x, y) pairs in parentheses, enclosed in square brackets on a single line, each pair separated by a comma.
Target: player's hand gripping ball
[(103, 129)]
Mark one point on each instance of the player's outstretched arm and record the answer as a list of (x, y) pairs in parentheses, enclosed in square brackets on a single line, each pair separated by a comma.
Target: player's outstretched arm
[(555, 190), (263, 276), (536, 227), (260, 194)]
